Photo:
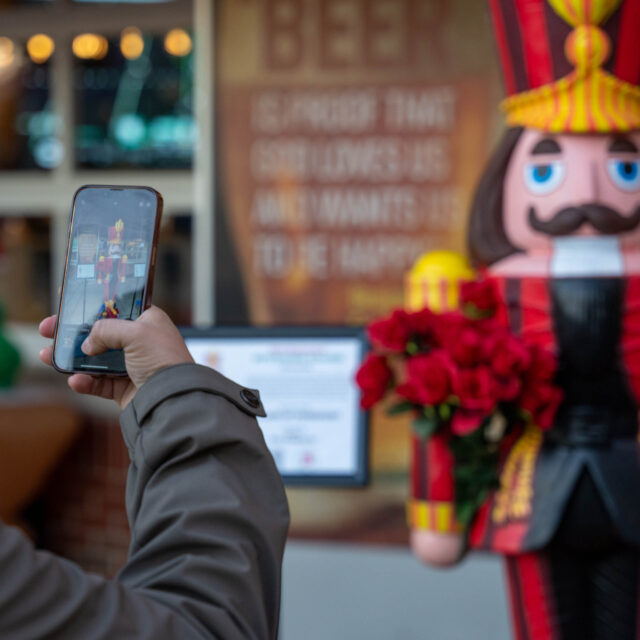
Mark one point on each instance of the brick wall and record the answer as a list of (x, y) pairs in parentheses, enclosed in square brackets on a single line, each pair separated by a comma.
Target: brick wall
[(83, 509)]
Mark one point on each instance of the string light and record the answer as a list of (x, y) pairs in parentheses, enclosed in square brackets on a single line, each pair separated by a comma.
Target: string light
[(40, 47), (90, 46), (178, 43), (131, 43)]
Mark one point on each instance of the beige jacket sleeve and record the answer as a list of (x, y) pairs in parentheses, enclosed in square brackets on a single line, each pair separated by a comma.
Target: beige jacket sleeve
[(208, 518)]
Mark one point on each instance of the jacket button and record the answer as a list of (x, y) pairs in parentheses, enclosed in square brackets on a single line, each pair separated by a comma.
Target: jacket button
[(250, 398)]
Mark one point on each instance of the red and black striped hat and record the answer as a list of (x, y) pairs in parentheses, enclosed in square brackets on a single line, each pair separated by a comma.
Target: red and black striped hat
[(570, 65)]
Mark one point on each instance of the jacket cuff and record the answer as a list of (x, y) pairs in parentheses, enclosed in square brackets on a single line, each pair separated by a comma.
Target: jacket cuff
[(184, 378), (429, 515)]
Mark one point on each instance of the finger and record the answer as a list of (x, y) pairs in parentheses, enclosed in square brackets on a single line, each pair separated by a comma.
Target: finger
[(47, 327), (45, 355), (150, 311), (80, 383), (89, 385), (153, 315), (109, 334)]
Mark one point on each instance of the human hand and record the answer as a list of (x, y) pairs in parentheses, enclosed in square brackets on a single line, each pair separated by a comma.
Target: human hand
[(150, 343)]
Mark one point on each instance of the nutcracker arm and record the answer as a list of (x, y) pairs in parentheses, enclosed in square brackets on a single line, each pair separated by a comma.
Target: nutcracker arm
[(436, 535), (431, 515)]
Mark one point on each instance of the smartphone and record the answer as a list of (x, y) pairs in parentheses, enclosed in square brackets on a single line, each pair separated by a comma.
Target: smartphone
[(108, 271)]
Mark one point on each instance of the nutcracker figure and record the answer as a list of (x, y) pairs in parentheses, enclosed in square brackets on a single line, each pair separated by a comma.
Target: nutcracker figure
[(556, 220), (111, 269)]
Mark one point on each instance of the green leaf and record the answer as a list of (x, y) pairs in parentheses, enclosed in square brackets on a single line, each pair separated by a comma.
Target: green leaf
[(401, 407), (445, 412), (465, 512), (425, 426), (475, 472), (472, 312)]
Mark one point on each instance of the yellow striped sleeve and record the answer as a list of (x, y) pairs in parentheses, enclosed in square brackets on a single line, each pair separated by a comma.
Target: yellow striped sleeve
[(432, 516)]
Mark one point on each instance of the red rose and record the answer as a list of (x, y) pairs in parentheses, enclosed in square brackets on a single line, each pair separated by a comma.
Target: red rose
[(466, 350), (373, 378), (542, 402), (390, 333), (508, 388), (448, 326), (509, 356), (543, 364), (460, 337), (465, 421), (491, 333), (429, 379), (481, 295), (422, 323), (475, 389)]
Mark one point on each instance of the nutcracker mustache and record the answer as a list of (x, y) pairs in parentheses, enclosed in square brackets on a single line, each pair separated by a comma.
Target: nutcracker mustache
[(602, 218)]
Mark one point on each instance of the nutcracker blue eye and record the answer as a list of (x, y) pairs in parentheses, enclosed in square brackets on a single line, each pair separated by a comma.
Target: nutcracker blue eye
[(625, 174), (543, 178)]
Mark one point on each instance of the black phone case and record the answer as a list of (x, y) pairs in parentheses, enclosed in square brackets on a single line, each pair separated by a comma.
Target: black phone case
[(148, 289)]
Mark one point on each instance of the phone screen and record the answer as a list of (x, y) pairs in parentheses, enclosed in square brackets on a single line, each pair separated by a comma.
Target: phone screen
[(110, 254)]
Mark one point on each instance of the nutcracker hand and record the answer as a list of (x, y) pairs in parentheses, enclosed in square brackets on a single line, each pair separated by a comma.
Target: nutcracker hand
[(437, 549)]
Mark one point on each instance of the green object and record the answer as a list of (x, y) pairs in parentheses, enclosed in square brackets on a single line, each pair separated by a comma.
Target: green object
[(475, 472), (9, 357)]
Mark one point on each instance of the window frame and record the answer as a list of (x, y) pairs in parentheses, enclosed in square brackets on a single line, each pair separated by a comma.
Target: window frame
[(27, 193)]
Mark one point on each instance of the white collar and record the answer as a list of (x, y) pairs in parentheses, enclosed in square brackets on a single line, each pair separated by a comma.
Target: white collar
[(586, 256)]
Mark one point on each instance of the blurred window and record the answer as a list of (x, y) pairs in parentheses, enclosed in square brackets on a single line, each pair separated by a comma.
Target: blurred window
[(19, 3), (133, 99), (14, 3), (123, 1), (25, 268), (122, 72), (28, 131), (172, 284)]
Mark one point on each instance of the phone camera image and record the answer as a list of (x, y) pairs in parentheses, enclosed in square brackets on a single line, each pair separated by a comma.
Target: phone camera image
[(108, 270)]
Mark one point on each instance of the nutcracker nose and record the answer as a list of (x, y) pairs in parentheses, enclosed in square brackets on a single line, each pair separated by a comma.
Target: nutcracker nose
[(592, 187)]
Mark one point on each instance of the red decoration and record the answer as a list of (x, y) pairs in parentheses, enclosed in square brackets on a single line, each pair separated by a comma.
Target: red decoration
[(462, 365), (430, 378), (390, 333), (482, 294), (467, 379), (373, 378)]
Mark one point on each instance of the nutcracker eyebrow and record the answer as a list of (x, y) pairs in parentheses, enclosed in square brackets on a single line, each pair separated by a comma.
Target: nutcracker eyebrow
[(546, 145), (622, 145)]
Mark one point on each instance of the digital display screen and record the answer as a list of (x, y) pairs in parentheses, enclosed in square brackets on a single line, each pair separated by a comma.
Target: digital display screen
[(315, 429), (110, 252)]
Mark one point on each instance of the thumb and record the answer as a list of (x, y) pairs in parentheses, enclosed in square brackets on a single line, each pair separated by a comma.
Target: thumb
[(109, 334)]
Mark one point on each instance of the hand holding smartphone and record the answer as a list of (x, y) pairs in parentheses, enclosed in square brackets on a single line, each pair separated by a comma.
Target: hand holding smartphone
[(109, 267)]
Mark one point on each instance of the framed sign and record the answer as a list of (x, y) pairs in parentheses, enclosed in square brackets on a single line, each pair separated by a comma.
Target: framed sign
[(315, 428)]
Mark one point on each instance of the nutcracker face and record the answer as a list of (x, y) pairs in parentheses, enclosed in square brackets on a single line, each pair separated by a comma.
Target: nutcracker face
[(581, 187)]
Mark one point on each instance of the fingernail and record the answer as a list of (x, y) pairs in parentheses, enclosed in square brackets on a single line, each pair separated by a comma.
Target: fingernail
[(85, 346), (42, 352)]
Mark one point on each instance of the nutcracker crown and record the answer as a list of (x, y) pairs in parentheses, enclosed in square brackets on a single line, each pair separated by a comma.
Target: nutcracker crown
[(570, 65), (115, 232)]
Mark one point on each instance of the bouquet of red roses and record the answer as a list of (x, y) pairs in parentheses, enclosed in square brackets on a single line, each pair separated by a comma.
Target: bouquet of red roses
[(463, 372)]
